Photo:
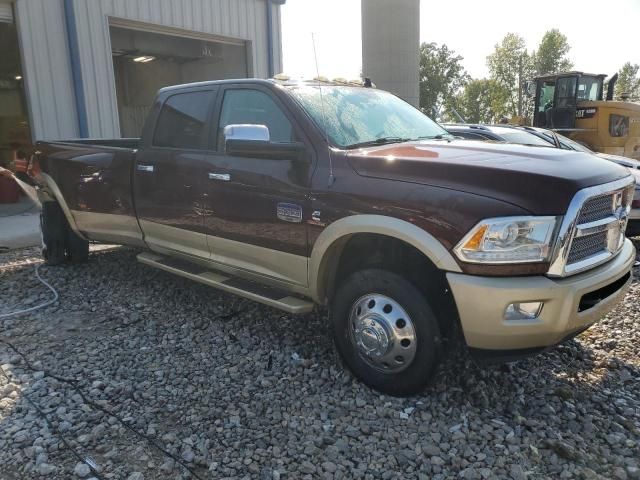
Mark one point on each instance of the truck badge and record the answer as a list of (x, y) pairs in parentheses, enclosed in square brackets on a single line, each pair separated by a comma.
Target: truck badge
[(289, 212)]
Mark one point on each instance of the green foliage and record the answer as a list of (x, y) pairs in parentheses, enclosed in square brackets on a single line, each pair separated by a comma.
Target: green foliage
[(482, 101), (551, 56), (441, 77), (445, 86), (628, 81), (510, 66)]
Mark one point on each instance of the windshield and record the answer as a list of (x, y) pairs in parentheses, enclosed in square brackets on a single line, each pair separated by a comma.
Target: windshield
[(523, 138), (356, 116)]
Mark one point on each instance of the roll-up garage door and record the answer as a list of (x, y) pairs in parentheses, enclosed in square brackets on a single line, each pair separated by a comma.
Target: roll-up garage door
[(6, 15)]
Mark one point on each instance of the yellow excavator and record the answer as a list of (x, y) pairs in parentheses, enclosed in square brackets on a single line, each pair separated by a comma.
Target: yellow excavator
[(572, 103)]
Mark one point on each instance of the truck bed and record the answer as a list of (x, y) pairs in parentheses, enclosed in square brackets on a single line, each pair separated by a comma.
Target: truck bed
[(131, 143), (92, 180)]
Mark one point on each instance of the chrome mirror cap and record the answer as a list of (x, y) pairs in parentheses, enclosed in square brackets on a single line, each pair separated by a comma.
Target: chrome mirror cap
[(246, 132)]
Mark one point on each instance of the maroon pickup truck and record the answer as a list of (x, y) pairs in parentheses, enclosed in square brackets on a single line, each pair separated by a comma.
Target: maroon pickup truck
[(300, 193)]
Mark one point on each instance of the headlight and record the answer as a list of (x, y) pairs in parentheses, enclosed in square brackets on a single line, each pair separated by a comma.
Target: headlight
[(508, 240)]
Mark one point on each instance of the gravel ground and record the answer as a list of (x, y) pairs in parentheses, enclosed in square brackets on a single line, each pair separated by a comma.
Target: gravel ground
[(144, 375)]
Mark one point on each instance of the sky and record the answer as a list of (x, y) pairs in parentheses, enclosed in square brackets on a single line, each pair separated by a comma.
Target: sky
[(470, 27)]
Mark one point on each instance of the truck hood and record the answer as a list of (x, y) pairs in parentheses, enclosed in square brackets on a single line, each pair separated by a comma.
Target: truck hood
[(541, 180)]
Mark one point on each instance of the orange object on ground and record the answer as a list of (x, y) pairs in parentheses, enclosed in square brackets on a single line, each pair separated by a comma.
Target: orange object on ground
[(21, 163)]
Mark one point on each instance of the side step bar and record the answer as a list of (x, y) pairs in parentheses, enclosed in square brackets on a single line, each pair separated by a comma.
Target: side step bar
[(253, 291)]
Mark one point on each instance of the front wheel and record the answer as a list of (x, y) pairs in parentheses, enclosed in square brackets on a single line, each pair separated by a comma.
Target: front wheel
[(385, 331)]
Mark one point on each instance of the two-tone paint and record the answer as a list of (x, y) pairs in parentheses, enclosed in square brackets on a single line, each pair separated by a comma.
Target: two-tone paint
[(226, 212)]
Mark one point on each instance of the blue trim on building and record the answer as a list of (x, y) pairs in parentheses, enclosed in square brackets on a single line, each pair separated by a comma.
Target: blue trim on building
[(76, 71), (270, 66)]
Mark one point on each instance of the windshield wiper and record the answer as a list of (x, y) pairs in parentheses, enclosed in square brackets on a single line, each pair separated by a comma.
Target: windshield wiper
[(378, 141), (440, 136)]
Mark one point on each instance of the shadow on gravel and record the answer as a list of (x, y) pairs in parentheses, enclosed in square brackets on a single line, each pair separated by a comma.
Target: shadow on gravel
[(141, 371)]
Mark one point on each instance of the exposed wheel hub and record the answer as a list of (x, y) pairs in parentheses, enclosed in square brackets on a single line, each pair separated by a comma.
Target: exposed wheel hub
[(371, 336), (382, 333)]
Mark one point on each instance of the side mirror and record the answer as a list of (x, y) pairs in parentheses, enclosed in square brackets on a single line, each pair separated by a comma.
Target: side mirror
[(246, 132), (254, 141)]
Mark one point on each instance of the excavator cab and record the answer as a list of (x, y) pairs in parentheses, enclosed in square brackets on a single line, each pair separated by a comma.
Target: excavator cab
[(573, 103), (559, 99)]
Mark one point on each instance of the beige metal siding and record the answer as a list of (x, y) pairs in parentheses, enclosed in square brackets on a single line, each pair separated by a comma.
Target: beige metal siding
[(46, 69), (47, 65)]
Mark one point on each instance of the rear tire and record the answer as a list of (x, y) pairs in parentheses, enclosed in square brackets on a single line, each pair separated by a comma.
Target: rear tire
[(54, 229), (77, 248), (385, 331), (60, 243)]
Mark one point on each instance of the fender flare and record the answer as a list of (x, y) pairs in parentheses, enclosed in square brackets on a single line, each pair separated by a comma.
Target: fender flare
[(332, 238), (55, 192)]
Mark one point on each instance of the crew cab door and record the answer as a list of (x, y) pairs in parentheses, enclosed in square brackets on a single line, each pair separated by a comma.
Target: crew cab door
[(563, 115), (258, 207), (170, 183)]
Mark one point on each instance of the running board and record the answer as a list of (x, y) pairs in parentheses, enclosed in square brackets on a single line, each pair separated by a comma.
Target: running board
[(253, 291)]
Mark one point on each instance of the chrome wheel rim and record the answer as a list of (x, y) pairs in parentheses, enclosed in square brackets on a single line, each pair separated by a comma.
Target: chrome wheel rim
[(382, 333)]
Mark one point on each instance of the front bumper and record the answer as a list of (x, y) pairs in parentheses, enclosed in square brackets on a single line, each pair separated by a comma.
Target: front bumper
[(633, 225), (570, 304)]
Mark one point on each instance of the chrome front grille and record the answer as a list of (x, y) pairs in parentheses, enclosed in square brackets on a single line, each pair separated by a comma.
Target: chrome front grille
[(584, 247), (596, 208), (593, 229)]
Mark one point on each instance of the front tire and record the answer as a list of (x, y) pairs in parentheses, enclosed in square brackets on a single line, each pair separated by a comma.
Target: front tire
[(385, 331)]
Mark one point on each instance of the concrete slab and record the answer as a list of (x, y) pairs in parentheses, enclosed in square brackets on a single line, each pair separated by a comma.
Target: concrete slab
[(19, 225)]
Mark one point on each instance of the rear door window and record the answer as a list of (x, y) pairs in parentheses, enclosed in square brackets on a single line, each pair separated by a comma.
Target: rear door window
[(183, 119)]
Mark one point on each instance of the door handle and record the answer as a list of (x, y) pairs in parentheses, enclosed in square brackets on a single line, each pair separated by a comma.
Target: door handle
[(146, 168), (224, 177)]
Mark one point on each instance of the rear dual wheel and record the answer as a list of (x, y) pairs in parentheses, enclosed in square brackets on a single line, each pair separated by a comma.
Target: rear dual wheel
[(386, 331), (59, 242)]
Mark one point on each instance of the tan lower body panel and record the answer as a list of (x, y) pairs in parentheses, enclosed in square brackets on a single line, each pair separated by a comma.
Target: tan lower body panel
[(284, 268), (281, 301), (482, 302), (177, 239), (108, 227)]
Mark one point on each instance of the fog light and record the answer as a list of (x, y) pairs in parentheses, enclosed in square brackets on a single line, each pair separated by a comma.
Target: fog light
[(523, 311)]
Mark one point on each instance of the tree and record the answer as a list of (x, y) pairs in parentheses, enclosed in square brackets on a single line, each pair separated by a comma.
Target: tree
[(483, 101), (551, 56), (628, 81), (511, 66), (441, 77)]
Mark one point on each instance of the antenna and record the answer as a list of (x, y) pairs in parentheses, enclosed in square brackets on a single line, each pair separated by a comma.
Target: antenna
[(332, 178)]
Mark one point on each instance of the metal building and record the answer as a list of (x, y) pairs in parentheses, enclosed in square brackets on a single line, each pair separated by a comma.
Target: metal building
[(391, 46), (90, 68)]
